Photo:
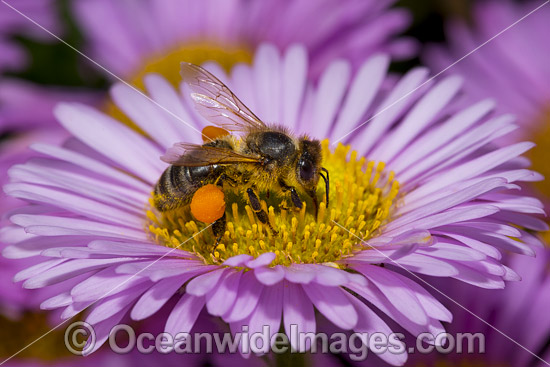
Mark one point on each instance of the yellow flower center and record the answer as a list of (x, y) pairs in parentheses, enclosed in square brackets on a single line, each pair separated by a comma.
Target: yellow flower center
[(167, 64), (362, 197), (540, 155)]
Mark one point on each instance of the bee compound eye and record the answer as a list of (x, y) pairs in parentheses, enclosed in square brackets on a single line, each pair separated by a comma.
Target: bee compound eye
[(306, 171)]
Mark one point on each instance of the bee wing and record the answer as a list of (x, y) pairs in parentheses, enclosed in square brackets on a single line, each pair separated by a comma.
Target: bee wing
[(193, 155), (215, 101)]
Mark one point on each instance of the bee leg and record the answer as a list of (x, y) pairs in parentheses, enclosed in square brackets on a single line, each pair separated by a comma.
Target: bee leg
[(315, 202), (295, 198), (218, 227), (257, 207), (293, 194)]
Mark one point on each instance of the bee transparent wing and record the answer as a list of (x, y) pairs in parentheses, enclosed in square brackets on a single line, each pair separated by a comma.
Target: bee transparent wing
[(215, 101), (193, 155)]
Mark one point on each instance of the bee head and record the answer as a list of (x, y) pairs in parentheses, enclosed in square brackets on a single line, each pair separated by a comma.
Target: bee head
[(308, 168)]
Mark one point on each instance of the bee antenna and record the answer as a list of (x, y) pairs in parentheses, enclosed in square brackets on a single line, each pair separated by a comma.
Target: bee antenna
[(327, 182)]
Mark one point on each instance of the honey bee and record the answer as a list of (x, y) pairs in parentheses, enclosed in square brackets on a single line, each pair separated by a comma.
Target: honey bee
[(263, 158)]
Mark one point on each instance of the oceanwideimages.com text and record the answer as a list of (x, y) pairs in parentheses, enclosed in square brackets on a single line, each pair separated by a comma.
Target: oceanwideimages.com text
[(80, 337)]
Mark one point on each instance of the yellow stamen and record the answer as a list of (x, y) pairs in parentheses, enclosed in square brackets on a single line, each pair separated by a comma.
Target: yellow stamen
[(539, 155), (362, 199)]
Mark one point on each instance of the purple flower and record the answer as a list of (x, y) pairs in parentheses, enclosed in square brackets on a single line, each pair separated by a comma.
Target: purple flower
[(130, 39), (16, 95), (20, 120), (227, 31), (12, 56), (14, 299), (512, 68), (518, 312), (432, 197)]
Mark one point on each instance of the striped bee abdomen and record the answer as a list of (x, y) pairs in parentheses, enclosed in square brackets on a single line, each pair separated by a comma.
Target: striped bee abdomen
[(177, 184)]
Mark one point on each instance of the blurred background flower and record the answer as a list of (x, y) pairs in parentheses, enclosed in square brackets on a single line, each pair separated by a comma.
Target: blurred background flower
[(517, 312), (131, 39), (12, 55), (513, 68)]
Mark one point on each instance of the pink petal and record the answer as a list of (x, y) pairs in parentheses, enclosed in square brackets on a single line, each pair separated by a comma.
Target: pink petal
[(299, 316), (269, 276), (248, 297), (370, 323), (263, 260), (222, 298), (183, 316), (396, 292), (333, 304), (204, 283), (155, 297)]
